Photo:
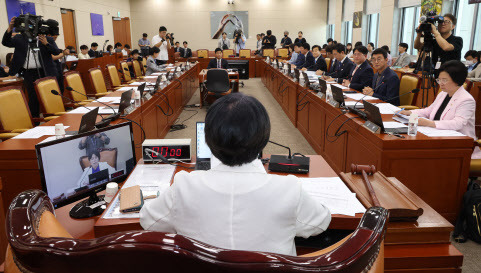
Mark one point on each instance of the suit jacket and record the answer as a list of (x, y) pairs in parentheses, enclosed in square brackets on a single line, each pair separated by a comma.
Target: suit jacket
[(388, 87), (178, 49), (301, 59), (362, 77), (213, 64), (310, 60), (344, 70), (92, 53), (20, 43), (458, 114), (475, 74), (320, 64), (332, 69), (403, 60), (183, 52)]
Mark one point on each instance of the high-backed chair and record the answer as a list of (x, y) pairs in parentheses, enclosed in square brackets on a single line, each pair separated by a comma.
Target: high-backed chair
[(468, 85), (50, 105), (114, 77), (39, 243), (283, 52), (217, 84), (98, 82), (137, 69), (203, 53), (211, 53), (226, 53), (74, 81), (194, 54), (268, 53), (144, 65), (126, 72), (245, 53), (108, 155), (328, 63), (408, 82), (15, 117)]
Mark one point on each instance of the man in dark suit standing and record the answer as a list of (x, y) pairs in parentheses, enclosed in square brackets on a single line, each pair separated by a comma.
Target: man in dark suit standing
[(34, 64), (361, 75), (185, 52), (343, 64), (385, 84), (218, 62)]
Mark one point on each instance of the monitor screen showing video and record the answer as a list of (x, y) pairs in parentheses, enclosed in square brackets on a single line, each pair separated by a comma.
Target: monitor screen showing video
[(74, 167)]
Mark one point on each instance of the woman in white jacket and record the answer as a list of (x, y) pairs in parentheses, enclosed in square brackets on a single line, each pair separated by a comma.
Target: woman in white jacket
[(95, 166)]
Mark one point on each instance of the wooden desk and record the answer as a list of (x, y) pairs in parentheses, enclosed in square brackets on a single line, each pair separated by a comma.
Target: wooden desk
[(18, 161), (422, 245), (18, 82), (204, 62), (83, 67), (435, 168)]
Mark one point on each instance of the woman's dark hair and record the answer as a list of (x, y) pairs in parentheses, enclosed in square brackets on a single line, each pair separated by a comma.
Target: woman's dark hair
[(237, 128), (456, 70), (83, 47), (348, 50), (291, 46), (109, 48), (154, 49), (97, 153)]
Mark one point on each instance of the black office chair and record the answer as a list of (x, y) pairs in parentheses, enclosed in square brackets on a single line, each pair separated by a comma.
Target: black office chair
[(217, 84)]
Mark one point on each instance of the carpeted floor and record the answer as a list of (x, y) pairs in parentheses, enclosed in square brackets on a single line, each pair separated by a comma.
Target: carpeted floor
[(283, 132)]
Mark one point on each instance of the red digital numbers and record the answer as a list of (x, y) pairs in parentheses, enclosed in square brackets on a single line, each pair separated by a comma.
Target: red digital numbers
[(179, 152), (165, 152), (154, 155)]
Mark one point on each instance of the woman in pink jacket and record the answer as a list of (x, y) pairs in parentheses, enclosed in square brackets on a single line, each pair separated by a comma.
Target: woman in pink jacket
[(454, 107)]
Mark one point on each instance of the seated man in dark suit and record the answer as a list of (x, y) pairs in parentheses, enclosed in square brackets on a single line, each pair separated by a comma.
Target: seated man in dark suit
[(218, 62), (185, 51), (177, 47), (361, 75), (93, 50), (301, 58), (343, 67), (319, 61), (306, 51), (385, 84)]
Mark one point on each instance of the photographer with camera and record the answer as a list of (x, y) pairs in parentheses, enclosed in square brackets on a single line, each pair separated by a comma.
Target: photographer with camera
[(161, 42), (445, 46), (33, 53), (239, 40)]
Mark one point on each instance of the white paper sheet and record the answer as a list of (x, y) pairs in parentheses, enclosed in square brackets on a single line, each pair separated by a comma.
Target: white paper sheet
[(81, 110), (127, 88), (340, 86), (48, 139), (137, 83), (107, 110), (38, 131), (393, 124), (359, 104), (387, 108), (359, 96), (433, 132), (151, 77)]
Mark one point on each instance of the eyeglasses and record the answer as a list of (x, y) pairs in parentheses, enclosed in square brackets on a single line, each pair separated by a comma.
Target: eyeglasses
[(376, 60), (446, 22), (442, 81)]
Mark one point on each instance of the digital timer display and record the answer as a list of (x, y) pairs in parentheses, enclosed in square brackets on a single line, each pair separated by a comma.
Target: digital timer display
[(171, 152)]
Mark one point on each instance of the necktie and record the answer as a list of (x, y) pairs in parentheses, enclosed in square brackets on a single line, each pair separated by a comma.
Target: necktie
[(218, 64), (378, 80), (354, 71)]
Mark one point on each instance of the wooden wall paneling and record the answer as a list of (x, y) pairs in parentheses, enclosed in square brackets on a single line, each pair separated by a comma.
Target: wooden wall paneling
[(316, 125), (68, 24), (335, 147), (162, 119), (292, 102)]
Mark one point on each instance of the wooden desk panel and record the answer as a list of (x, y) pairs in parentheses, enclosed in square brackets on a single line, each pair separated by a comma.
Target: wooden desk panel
[(204, 62), (435, 168)]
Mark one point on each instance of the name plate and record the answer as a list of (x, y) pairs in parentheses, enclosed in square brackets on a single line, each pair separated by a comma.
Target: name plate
[(129, 109), (372, 127), (148, 96)]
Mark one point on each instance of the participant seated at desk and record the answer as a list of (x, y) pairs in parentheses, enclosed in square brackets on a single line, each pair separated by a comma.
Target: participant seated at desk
[(319, 61), (454, 108), (134, 56), (236, 204), (95, 167), (118, 48), (93, 50), (152, 66), (301, 58), (126, 50), (84, 52), (185, 52), (385, 84), (343, 65), (218, 62), (308, 57), (404, 58), (361, 75), (472, 60), (294, 51)]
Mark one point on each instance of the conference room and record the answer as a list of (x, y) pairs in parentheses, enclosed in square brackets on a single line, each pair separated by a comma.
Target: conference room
[(240, 135)]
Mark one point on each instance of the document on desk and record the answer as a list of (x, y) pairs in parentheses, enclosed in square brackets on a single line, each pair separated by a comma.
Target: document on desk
[(137, 83), (151, 77), (127, 88), (38, 131), (340, 86), (393, 124), (151, 178), (387, 108), (359, 96), (334, 194), (107, 111), (81, 110), (433, 132)]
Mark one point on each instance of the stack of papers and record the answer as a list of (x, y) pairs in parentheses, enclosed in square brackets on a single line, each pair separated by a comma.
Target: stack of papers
[(152, 178), (334, 194), (38, 131), (340, 86), (358, 104), (151, 77), (387, 108), (127, 88), (108, 99), (393, 124), (359, 96), (137, 83), (433, 132)]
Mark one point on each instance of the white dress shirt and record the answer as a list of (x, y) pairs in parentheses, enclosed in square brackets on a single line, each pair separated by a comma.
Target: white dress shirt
[(163, 55), (241, 208)]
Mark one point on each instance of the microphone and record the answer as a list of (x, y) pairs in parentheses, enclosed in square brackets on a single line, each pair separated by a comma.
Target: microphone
[(289, 157), (105, 43), (150, 153), (112, 117), (414, 91), (366, 95), (101, 124)]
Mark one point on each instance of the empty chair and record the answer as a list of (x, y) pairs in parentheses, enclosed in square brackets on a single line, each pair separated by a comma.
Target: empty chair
[(268, 53), (114, 76), (50, 105), (217, 84), (226, 53), (245, 53), (407, 84), (124, 67), (144, 65), (283, 52), (137, 69), (15, 117), (202, 53), (98, 82), (38, 242), (74, 81)]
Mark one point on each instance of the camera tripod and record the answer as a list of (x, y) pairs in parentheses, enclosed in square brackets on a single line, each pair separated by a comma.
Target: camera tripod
[(424, 65)]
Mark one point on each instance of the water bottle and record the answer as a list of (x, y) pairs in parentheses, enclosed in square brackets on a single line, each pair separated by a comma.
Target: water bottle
[(137, 98), (329, 94), (413, 124)]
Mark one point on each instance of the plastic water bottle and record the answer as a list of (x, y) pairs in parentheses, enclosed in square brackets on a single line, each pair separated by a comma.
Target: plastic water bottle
[(137, 98), (413, 125), (329, 94)]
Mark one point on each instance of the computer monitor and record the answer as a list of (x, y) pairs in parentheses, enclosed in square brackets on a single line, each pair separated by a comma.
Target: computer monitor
[(203, 151), (337, 95), (75, 167)]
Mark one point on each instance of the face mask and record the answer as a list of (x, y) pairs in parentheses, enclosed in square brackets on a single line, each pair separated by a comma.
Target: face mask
[(468, 63), (285, 35)]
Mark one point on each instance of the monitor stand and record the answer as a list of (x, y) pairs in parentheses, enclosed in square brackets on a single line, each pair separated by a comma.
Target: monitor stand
[(93, 206)]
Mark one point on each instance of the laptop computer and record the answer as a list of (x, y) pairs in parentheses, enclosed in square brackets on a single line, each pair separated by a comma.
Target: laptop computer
[(203, 152), (87, 123), (100, 176), (338, 95), (322, 86), (125, 100), (289, 70), (296, 74), (374, 115), (141, 89)]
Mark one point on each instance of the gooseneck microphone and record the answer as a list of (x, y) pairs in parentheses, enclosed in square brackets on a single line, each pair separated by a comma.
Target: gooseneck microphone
[(275, 143), (112, 117), (414, 91)]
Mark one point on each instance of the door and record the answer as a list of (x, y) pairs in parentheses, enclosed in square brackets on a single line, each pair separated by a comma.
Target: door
[(68, 28), (122, 30)]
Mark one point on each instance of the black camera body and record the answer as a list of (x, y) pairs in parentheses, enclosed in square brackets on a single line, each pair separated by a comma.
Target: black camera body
[(431, 18), (33, 25), (237, 35)]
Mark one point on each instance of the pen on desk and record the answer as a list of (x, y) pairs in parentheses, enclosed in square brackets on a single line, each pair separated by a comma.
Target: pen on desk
[(402, 109), (398, 135)]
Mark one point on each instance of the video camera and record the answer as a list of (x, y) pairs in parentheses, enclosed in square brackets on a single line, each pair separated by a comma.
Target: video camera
[(237, 35), (431, 18), (34, 25)]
